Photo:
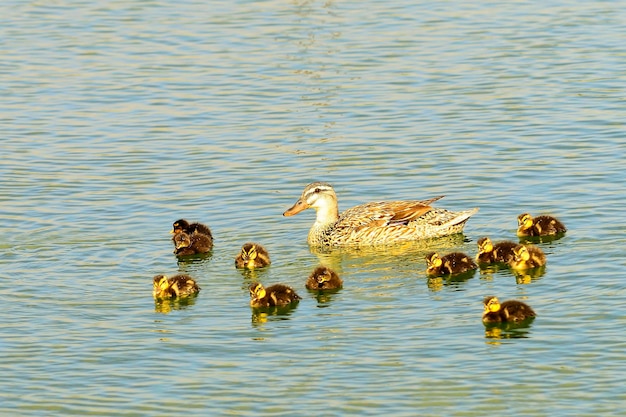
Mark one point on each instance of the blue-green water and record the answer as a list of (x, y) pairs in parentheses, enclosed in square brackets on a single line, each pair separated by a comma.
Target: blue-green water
[(118, 118)]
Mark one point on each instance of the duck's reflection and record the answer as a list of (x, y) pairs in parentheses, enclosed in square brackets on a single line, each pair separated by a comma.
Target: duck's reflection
[(165, 306), (507, 330), (262, 315)]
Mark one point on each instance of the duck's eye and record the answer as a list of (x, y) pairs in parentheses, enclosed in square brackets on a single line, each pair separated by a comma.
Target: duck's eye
[(317, 190)]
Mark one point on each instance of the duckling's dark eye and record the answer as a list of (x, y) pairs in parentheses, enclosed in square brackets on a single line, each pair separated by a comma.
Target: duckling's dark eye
[(317, 190)]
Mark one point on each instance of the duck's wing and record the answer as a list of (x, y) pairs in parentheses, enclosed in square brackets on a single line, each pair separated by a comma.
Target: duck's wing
[(382, 214)]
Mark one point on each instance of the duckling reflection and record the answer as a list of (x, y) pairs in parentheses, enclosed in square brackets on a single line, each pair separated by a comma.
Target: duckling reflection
[(262, 315), (526, 276), (166, 305), (507, 330), (453, 282)]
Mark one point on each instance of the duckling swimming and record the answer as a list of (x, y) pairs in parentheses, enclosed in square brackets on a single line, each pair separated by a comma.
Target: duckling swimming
[(274, 295), (182, 225), (539, 226), (191, 244), (181, 285), (488, 252), (252, 256), (527, 257), (323, 278), (508, 311), (452, 263)]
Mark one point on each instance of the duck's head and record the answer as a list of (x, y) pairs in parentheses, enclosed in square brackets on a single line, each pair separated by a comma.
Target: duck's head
[(160, 285), (524, 221), (521, 253), (492, 305), (485, 245), (182, 240), (433, 260), (322, 274), (317, 195), (257, 291), (179, 226), (249, 252)]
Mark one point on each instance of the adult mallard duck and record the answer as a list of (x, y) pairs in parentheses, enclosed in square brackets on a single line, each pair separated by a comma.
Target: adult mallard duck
[(452, 263), (501, 252), (323, 278), (539, 226), (252, 256), (527, 257), (508, 311), (181, 285), (274, 295), (190, 244), (374, 223), (182, 225)]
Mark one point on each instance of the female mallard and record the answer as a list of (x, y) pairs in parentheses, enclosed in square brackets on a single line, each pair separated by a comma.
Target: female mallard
[(539, 226), (252, 256), (452, 263), (182, 225), (274, 295), (181, 285), (508, 311), (323, 278), (527, 257), (190, 244), (501, 252), (376, 222)]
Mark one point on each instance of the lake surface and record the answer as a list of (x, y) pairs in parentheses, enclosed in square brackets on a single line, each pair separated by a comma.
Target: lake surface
[(118, 118)]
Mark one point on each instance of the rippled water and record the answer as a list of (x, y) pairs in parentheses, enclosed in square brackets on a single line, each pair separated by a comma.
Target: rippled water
[(119, 118)]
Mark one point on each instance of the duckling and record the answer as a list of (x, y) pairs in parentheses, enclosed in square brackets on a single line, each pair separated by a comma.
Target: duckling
[(182, 225), (539, 226), (252, 256), (452, 263), (527, 257), (191, 244), (488, 252), (508, 311), (274, 295), (323, 278), (181, 285)]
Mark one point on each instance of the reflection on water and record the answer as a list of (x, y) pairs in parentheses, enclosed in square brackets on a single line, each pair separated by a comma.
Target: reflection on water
[(526, 276), (534, 240), (325, 297), (498, 331), (262, 315), (455, 282), (166, 306)]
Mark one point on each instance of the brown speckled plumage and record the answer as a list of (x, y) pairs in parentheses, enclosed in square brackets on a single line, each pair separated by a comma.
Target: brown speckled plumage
[(376, 222), (500, 252), (452, 263), (539, 226), (507, 311)]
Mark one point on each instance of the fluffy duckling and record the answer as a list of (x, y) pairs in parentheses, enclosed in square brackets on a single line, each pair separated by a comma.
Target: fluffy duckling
[(488, 252), (274, 295), (508, 311), (452, 263), (191, 244), (252, 256), (181, 285), (323, 278), (182, 225), (527, 257), (539, 226)]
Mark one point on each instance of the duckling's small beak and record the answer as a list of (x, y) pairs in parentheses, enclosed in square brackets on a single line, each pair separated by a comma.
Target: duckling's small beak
[(296, 208), (172, 232)]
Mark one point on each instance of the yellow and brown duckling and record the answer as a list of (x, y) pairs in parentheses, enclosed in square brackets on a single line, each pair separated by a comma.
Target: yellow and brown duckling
[(252, 256), (527, 257), (182, 225), (539, 226), (323, 278), (274, 295), (181, 285), (191, 244), (507, 311), (500, 252), (452, 263)]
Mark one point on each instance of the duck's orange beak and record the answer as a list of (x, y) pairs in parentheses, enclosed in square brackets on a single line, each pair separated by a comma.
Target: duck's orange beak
[(296, 208)]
